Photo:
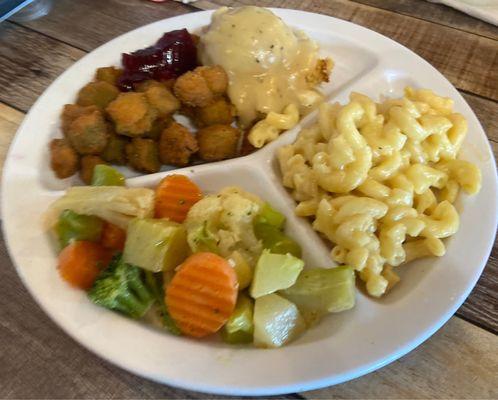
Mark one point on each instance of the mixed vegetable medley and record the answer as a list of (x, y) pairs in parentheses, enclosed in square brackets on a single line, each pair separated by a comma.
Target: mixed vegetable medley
[(203, 263)]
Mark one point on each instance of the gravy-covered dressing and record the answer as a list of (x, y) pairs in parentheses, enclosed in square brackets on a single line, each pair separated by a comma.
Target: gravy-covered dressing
[(266, 61)]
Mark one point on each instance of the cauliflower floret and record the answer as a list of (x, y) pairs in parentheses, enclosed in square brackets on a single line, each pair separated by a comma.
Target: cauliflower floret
[(224, 223)]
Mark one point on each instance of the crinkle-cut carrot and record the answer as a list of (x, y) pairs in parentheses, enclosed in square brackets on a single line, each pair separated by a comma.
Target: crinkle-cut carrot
[(202, 294), (113, 237), (81, 261), (175, 194)]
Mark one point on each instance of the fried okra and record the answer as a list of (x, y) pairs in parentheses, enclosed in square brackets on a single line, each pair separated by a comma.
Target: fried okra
[(98, 94), (63, 159), (161, 98), (132, 114), (71, 112), (201, 86), (192, 89), (218, 112), (108, 74), (158, 127), (146, 85), (217, 142), (143, 155), (177, 144), (88, 163), (114, 152), (216, 78), (88, 133)]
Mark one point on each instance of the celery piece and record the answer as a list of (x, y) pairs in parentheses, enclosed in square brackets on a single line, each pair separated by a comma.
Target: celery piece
[(155, 282), (154, 244), (239, 327), (318, 291), (268, 215), (242, 269), (274, 272), (73, 226), (277, 321), (104, 175), (276, 241)]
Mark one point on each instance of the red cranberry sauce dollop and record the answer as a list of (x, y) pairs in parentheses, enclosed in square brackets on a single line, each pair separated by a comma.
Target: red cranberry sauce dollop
[(172, 55)]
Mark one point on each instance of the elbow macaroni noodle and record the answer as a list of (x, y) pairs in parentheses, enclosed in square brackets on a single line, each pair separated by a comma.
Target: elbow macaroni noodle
[(274, 123), (380, 180), (270, 127)]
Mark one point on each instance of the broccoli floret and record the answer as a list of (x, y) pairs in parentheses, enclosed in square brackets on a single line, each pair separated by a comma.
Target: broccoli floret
[(121, 287)]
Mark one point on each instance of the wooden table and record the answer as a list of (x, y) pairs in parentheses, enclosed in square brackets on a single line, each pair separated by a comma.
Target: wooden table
[(37, 360)]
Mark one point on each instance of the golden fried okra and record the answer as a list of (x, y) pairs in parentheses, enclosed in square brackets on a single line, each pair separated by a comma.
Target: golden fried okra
[(143, 155), (159, 125), (71, 112), (176, 145), (161, 98), (216, 78), (192, 89), (108, 74), (132, 114), (217, 142), (63, 159), (114, 152), (218, 112), (145, 85), (88, 133), (98, 94), (88, 163)]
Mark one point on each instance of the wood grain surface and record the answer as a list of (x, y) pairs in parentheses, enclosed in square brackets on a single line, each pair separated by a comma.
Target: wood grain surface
[(37, 360), (436, 13)]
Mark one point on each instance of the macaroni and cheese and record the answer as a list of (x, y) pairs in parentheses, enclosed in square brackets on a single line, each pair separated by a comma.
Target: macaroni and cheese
[(380, 180)]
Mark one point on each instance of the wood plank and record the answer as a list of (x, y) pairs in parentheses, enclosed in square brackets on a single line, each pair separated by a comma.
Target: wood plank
[(29, 63), (10, 120), (487, 112), (469, 61), (99, 21), (459, 361), (437, 13), (481, 306)]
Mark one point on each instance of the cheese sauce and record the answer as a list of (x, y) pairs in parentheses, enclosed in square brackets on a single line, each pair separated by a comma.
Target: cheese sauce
[(266, 61)]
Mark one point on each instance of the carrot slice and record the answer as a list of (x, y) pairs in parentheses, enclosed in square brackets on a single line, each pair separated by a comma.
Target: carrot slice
[(81, 261), (202, 294), (175, 194), (113, 237)]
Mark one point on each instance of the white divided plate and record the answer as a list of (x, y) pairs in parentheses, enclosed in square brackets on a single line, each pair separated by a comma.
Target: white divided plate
[(343, 346)]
